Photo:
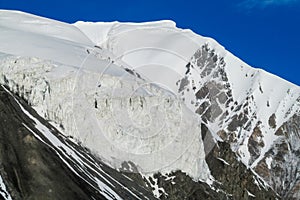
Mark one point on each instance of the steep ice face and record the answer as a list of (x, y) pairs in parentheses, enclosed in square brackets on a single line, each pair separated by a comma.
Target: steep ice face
[(107, 107), (120, 118)]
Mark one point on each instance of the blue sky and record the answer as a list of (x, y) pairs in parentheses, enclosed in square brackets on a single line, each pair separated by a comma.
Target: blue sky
[(263, 33)]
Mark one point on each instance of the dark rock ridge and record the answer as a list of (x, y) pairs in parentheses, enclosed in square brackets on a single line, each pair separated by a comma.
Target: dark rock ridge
[(232, 179), (238, 121), (283, 172), (30, 168)]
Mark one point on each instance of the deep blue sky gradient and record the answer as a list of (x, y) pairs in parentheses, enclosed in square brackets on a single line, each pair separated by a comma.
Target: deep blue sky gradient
[(267, 37)]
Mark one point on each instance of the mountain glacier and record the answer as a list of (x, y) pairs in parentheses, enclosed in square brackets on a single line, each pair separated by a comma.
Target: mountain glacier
[(150, 98)]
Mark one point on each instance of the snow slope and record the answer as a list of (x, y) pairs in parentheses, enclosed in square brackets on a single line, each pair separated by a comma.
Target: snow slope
[(109, 109), (160, 52)]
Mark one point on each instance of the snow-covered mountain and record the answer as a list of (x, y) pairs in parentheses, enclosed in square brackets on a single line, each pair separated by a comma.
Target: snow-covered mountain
[(163, 104)]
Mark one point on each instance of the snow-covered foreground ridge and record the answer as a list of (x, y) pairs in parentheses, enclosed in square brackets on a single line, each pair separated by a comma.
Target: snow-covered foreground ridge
[(140, 91)]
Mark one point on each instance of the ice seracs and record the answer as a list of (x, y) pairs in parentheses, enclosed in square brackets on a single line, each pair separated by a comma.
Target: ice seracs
[(115, 113)]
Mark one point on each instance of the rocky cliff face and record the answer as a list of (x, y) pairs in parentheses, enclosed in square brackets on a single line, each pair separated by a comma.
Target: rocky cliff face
[(268, 148), (280, 167), (232, 179)]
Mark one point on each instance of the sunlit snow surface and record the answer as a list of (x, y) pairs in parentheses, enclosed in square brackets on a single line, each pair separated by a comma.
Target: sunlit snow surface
[(84, 89), (80, 77), (159, 51)]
